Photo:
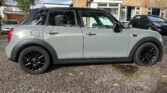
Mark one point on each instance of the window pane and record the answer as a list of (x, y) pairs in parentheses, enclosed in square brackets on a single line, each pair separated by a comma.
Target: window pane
[(105, 21), (102, 4), (113, 5), (61, 18), (114, 12), (89, 21), (96, 19)]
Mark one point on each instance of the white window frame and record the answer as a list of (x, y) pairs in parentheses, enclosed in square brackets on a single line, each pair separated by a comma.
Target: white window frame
[(162, 11), (137, 9), (150, 10), (111, 7)]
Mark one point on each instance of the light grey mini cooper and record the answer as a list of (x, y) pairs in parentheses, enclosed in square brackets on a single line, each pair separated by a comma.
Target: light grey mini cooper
[(76, 35)]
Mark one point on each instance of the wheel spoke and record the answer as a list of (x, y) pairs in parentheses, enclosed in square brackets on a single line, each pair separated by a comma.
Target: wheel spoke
[(148, 55), (34, 60), (29, 63)]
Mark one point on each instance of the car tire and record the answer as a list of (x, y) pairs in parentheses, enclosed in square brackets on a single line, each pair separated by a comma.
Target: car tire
[(147, 54), (34, 60)]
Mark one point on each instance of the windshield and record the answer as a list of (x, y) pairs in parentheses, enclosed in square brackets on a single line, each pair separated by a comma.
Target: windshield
[(156, 19)]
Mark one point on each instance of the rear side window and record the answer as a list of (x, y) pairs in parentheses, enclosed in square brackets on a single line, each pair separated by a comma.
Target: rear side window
[(61, 18), (36, 17)]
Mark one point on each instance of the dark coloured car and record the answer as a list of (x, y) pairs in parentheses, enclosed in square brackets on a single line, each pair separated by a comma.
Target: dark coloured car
[(150, 22)]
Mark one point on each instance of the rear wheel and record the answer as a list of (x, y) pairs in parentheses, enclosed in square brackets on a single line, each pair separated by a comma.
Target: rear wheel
[(147, 54), (34, 60)]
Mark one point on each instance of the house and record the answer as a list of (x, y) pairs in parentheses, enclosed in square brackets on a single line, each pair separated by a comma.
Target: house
[(124, 10), (10, 11), (145, 7)]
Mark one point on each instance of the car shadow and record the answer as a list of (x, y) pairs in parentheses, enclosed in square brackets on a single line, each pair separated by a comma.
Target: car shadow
[(124, 67)]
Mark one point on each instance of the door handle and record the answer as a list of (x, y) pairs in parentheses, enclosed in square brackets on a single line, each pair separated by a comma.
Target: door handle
[(91, 34), (53, 33)]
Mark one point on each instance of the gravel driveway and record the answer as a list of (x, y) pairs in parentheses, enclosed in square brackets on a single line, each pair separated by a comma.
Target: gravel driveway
[(92, 78)]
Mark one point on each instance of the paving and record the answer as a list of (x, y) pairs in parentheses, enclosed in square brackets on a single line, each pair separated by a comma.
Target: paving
[(84, 78)]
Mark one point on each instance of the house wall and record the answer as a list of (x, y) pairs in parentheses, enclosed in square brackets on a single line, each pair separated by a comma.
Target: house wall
[(80, 3), (145, 4)]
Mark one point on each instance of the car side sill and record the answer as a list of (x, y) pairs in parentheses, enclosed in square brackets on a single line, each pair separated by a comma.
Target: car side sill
[(93, 60)]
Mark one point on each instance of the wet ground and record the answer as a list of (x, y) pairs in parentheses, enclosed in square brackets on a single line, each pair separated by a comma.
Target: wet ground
[(87, 78)]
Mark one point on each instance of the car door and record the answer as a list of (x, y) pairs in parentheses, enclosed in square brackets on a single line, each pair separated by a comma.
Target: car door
[(63, 34), (100, 41)]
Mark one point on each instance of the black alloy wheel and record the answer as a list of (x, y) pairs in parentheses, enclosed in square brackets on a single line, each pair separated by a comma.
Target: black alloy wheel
[(34, 60), (147, 54)]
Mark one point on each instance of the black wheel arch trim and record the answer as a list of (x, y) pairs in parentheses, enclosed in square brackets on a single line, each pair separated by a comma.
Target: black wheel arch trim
[(145, 40), (33, 42)]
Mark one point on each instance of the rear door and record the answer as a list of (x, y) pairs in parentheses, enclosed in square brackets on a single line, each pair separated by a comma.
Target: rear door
[(63, 34)]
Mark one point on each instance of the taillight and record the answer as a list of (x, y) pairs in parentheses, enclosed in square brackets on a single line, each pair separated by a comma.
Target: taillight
[(10, 34)]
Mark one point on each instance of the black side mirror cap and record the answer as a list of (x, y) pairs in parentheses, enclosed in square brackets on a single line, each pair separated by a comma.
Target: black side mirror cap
[(117, 28)]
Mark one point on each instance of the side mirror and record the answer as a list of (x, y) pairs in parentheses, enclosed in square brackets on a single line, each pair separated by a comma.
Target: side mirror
[(117, 28)]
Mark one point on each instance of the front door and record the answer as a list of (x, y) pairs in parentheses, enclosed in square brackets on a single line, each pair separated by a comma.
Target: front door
[(100, 41), (63, 34)]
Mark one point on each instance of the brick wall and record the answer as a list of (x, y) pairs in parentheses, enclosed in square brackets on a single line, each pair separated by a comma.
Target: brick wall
[(79, 3), (146, 3)]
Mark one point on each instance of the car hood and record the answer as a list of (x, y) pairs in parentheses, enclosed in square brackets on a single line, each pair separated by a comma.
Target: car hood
[(160, 23), (142, 32)]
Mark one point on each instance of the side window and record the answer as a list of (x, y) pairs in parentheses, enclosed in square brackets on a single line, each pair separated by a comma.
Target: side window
[(105, 21), (96, 19), (89, 21), (36, 17), (39, 18), (61, 18), (144, 21)]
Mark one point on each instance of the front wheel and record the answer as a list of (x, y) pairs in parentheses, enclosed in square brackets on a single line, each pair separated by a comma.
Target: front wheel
[(147, 54), (34, 60)]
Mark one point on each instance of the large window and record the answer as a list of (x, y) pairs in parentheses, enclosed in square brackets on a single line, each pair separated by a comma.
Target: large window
[(61, 18), (156, 11), (96, 19), (113, 8)]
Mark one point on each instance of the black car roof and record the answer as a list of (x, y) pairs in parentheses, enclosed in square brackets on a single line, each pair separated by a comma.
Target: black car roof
[(148, 15), (69, 8)]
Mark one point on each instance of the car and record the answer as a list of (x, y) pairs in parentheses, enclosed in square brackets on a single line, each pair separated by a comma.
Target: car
[(8, 25), (79, 35), (150, 22)]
